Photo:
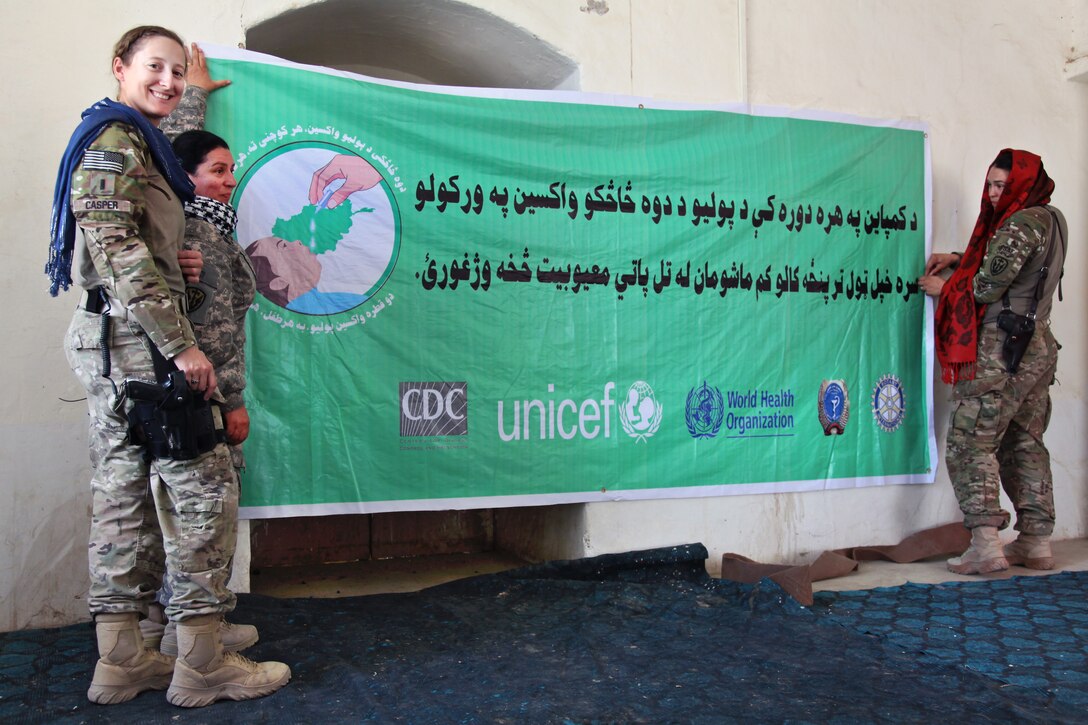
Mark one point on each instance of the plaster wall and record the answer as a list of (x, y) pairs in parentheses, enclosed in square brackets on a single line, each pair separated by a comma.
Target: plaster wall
[(983, 74)]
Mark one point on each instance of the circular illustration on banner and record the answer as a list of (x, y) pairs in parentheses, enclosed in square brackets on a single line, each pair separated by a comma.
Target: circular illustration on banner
[(888, 405), (320, 227)]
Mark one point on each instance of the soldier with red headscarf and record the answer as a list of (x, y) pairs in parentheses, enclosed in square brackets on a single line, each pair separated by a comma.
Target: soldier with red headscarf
[(1000, 408)]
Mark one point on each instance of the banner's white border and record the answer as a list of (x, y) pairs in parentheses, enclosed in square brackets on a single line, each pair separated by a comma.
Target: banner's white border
[(580, 97), (440, 504), (550, 499)]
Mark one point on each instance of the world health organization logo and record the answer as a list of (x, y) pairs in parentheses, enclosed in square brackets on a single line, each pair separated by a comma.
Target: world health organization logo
[(704, 411), (834, 406), (888, 406), (640, 413)]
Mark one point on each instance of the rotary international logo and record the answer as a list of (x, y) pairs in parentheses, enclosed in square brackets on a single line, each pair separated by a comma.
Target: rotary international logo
[(888, 407)]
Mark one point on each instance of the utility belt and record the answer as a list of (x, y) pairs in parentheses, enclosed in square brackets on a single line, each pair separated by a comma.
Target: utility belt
[(98, 302), (168, 419)]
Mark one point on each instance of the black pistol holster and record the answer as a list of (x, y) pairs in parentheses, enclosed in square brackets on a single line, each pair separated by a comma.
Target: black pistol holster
[(1020, 328), (170, 420), (167, 418), (1018, 332)]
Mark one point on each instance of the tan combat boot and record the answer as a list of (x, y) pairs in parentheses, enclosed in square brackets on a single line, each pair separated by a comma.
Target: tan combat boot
[(153, 627), (235, 637), (983, 556), (205, 673), (1031, 551), (124, 668)]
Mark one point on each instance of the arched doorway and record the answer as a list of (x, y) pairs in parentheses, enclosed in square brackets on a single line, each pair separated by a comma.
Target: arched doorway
[(438, 42)]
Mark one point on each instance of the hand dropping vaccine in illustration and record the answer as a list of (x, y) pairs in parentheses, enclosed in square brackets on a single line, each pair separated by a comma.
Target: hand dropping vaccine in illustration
[(356, 173), (335, 251), (329, 191)]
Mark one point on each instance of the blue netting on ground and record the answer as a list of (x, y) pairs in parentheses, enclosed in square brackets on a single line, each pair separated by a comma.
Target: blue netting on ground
[(1025, 632), (639, 637)]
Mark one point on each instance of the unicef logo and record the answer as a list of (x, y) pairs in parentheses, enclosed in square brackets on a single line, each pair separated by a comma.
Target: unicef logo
[(888, 406), (704, 411), (640, 413)]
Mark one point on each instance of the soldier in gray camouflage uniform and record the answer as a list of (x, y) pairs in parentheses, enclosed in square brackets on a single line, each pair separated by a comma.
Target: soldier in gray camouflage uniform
[(124, 189), (995, 437), (193, 107), (220, 300)]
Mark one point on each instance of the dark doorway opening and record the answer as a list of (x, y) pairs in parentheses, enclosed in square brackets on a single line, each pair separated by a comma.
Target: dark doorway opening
[(432, 42)]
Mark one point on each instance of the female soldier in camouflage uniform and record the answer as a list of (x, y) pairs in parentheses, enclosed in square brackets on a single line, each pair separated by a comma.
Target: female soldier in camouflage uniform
[(1000, 412), (218, 303), (120, 183)]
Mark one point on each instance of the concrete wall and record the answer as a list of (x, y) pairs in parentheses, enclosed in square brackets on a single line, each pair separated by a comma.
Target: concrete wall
[(983, 73), (984, 76)]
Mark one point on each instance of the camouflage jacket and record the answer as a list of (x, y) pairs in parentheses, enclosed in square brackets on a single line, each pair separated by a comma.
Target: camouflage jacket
[(189, 115), (219, 302), (1014, 256), (132, 224)]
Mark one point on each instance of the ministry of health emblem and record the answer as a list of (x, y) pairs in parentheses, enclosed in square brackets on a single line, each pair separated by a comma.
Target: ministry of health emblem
[(834, 407)]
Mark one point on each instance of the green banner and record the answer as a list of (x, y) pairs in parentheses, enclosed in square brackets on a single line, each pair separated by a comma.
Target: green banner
[(483, 298)]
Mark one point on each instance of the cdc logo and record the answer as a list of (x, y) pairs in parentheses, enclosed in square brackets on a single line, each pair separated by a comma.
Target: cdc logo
[(434, 409)]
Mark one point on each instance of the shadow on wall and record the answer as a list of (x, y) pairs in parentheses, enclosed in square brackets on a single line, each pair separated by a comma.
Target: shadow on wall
[(420, 41)]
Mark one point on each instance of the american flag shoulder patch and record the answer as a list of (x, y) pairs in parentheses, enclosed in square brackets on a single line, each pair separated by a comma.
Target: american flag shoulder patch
[(104, 161)]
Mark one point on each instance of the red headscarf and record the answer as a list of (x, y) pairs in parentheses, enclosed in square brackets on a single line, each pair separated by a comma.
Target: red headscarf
[(958, 315)]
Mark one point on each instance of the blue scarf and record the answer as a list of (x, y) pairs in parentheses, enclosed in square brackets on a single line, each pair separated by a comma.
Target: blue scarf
[(63, 228)]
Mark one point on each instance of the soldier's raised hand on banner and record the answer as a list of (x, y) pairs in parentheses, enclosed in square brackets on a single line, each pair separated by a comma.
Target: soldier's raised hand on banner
[(931, 284), (197, 74), (938, 262)]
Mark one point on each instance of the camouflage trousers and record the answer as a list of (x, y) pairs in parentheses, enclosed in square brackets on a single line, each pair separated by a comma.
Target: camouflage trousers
[(164, 593), (995, 437), (187, 510)]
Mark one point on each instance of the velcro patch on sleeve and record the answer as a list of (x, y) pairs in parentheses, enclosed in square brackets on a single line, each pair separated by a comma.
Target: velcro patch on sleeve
[(95, 160), (90, 203), (103, 185)]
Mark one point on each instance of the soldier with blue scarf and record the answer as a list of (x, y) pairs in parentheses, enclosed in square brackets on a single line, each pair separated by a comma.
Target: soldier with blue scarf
[(120, 184)]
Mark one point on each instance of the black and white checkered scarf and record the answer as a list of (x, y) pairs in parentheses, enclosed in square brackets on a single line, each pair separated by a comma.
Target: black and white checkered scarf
[(221, 216)]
